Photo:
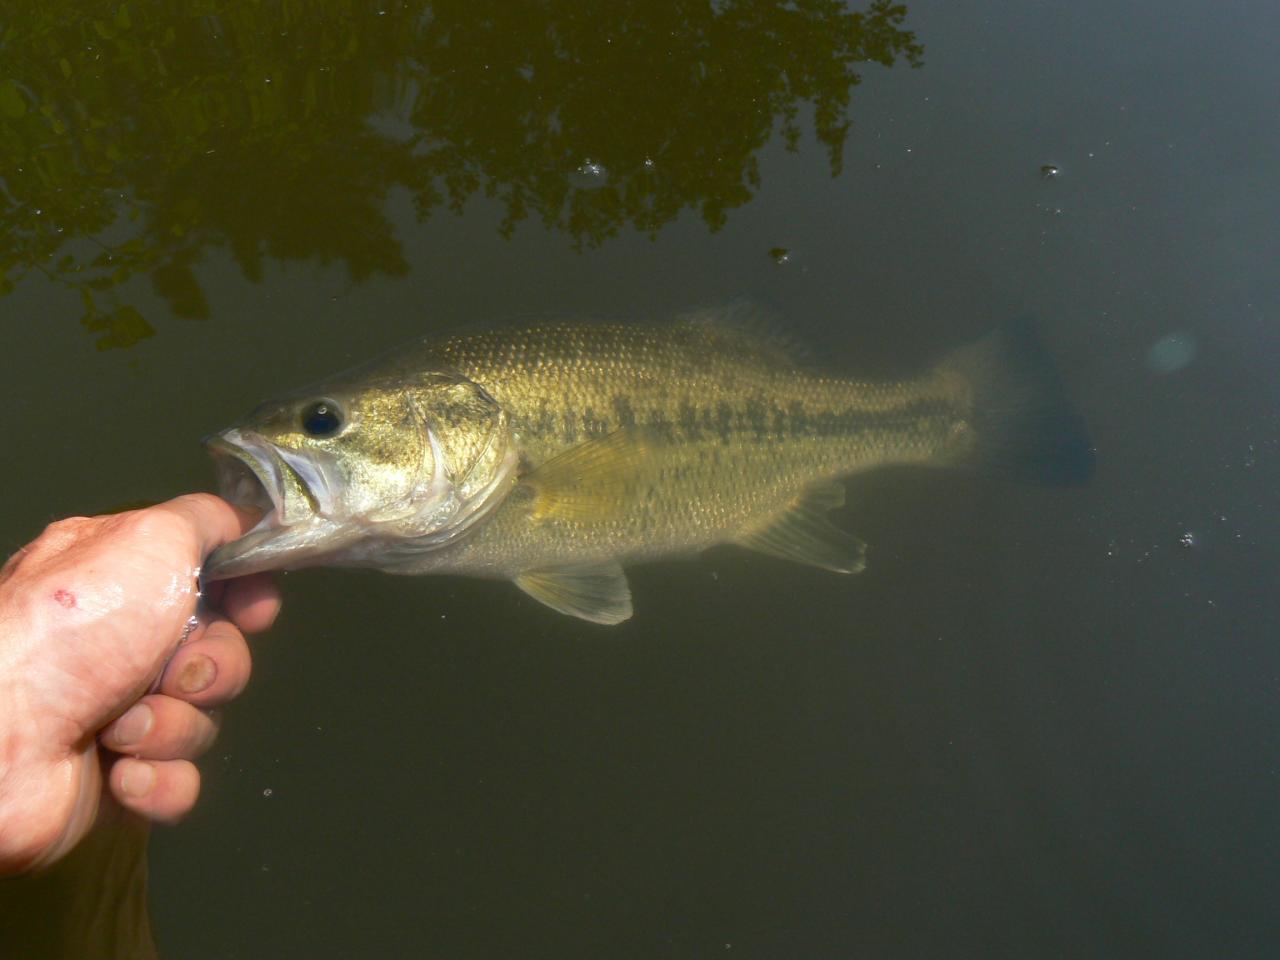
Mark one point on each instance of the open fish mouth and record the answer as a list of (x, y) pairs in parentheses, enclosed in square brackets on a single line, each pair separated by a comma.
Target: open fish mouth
[(255, 473), (293, 492), (249, 476)]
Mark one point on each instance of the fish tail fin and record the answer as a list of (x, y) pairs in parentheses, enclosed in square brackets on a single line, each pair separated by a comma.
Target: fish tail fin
[(1021, 424)]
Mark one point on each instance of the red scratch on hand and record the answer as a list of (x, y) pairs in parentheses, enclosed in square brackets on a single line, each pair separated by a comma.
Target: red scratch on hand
[(65, 597)]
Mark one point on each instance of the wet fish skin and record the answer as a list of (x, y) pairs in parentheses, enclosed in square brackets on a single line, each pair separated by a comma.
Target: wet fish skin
[(382, 477), (636, 442), (735, 431)]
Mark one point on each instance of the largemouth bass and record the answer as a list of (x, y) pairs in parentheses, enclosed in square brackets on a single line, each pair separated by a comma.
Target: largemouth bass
[(554, 453)]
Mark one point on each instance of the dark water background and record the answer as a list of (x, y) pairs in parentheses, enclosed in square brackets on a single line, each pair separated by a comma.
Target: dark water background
[(1042, 723)]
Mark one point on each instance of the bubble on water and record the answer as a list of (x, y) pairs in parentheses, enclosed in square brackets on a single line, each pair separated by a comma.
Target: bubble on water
[(267, 792), (780, 255), (1172, 352), (1188, 540), (590, 174), (1049, 170)]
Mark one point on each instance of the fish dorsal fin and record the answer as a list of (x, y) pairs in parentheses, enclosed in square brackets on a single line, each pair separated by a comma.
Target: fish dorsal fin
[(589, 482), (595, 592), (746, 323), (804, 534)]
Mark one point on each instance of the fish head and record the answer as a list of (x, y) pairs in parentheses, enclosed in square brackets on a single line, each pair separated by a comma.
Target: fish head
[(358, 467)]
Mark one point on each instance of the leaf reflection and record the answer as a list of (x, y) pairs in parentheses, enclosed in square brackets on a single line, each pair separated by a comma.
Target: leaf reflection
[(136, 135)]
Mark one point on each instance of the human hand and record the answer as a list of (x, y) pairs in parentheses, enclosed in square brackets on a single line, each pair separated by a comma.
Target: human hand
[(90, 612)]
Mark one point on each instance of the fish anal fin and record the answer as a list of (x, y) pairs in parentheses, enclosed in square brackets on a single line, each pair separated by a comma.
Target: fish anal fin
[(803, 534), (589, 482), (598, 592)]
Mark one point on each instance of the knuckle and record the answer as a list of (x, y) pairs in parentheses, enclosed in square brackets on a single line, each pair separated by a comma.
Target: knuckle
[(156, 523), (180, 789), (180, 731), (197, 733), (59, 535), (66, 528)]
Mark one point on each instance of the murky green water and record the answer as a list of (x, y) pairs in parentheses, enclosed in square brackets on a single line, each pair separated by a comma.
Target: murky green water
[(1041, 723)]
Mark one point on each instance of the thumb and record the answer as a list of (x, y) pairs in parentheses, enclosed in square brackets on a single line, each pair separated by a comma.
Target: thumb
[(214, 521)]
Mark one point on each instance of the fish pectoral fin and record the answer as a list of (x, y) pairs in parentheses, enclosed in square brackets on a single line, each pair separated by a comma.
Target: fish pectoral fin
[(803, 534), (595, 592), (589, 482)]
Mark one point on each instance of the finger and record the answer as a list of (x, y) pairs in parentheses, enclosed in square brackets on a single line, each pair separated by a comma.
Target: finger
[(252, 602), (215, 521), (161, 728), (211, 669), (160, 790)]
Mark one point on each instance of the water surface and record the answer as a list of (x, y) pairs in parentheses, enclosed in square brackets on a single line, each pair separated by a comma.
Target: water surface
[(1040, 723)]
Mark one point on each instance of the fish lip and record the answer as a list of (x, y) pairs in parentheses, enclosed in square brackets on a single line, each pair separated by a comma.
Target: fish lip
[(240, 457)]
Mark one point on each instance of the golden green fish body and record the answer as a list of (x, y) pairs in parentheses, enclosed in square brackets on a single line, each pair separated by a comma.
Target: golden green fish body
[(734, 431), (553, 453)]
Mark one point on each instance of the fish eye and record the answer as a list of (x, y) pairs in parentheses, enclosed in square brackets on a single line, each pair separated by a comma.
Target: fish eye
[(322, 419)]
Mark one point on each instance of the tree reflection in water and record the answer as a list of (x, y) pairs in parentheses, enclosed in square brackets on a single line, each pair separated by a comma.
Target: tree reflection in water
[(135, 135)]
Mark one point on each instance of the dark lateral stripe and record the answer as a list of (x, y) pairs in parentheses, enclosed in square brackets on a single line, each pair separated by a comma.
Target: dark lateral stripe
[(755, 418)]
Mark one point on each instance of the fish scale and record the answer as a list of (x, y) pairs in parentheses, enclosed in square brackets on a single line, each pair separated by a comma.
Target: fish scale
[(553, 453), (741, 429)]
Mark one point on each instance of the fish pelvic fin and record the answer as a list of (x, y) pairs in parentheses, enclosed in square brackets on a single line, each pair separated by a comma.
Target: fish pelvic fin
[(1020, 423), (595, 592), (802, 533), (587, 483)]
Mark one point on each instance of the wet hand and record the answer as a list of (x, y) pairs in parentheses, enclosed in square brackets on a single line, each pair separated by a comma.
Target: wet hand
[(91, 613)]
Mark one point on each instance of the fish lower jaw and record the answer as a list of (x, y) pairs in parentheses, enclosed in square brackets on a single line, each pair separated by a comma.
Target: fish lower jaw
[(270, 546)]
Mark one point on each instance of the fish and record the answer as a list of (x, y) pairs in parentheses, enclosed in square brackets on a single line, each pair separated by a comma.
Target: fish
[(555, 453)]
